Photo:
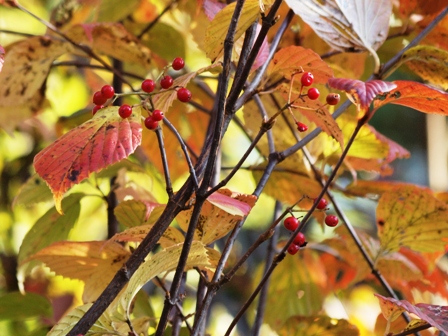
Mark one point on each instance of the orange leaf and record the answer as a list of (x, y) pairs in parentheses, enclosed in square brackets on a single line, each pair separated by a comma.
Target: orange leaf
[(105, 139), (290, 60), (415, 95), (94, 262)]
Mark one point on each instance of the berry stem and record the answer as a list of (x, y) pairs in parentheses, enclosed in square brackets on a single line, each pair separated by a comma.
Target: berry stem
[(166, 171)]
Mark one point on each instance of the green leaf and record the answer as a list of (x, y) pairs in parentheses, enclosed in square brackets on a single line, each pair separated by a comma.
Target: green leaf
[(317, 325), (163, 261), (17, 307), (51, 227), (34, 190), (411, 216)]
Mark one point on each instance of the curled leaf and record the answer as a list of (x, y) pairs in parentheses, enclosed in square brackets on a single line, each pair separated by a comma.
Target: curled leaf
[(361, 93), (105, 139)]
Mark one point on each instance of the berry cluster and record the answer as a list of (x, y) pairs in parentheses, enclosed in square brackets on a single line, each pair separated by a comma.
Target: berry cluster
[(101, 97), (313, 93), (330, 220), (292, 223)]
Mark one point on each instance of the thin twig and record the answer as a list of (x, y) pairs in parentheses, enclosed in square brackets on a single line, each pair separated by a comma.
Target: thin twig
[(166, 170), (153, 22)]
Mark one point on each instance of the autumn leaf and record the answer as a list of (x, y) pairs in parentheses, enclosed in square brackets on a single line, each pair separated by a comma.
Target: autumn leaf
[(429, 63), (433, 314), (361, 93), (15, 306), (170, 237), (94, 262), (2, 57), (161, 262), (293, 59), (219, 215), (134, 212), (317, 325), (105, 139), (347, 25), (33, 191), (411, 216), (105, 325), (114, 40), (415, 95), (217, 29)]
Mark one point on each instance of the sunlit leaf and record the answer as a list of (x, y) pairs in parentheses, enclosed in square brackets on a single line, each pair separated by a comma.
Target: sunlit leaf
[(396, 326), (411, 216), (114, 40), (361, 93), (161, 262), (429, 63), (290, 60), (218, 215), (217, 29), (317, 325), (95, 263), (347, 25), (26, 66), (389, 310), (433, 314), (373, 189), (90, 147), (134, 213), (415, 95), (17, 307), (103, 326), (51, 227), (33, 191), (171, 236)]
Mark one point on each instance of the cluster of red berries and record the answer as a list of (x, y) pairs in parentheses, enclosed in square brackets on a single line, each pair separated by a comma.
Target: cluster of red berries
[(292, 223), (101, 97), (330, 220), (313, 94)]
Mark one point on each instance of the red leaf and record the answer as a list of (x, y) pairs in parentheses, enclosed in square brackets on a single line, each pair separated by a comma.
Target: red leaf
[(212, 7), (105, 139), (415, 95), (433, 314), (360, 93)]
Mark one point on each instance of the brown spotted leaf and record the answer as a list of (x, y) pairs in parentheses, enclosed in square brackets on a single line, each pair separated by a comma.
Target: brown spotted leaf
[(433, 314), (26, 66), (361, 93), (135, 212), (293, 59), (105, 139), (170, 237), (411, 216), (94, 262), (415, 95), (317, 325), (219, 215)]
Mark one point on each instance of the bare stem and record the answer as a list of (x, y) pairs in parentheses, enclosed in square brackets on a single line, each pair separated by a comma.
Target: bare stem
[(166, 171)]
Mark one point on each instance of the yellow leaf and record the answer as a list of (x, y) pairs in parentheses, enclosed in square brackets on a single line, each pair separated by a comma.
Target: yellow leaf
[(411, 216), (94, 262), (317, 325), (170, 237), (163, 261), (217, 29)]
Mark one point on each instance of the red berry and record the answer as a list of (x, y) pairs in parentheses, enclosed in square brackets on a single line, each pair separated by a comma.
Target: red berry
[(299, 239), (313, 93), (322, 204), (151, 124), (107, 91), (166, 82), (98, 98), (184, 95), (301, 127), (331, 220), (96, 108), (125, 111), (293, 249), (157, 115), (291, 223), (178, 63), (307, 79), (333, 98), (148, 85)]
